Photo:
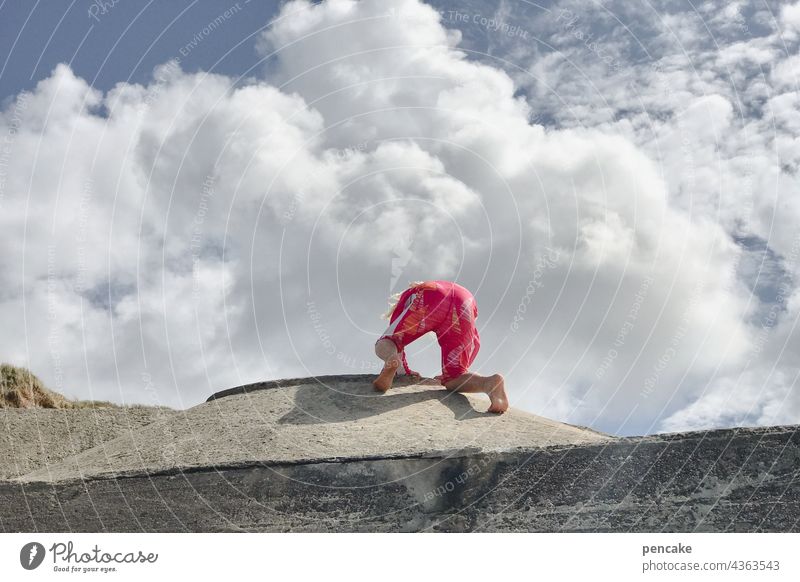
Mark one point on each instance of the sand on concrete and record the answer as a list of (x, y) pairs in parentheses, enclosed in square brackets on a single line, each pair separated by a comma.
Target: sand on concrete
[(312, 420), (31, 438)]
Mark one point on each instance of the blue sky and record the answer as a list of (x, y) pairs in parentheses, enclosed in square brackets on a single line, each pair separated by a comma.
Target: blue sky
[(125, 42), (617, 183)]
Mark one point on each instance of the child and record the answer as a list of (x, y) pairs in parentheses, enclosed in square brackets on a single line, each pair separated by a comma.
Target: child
[(448, 310)]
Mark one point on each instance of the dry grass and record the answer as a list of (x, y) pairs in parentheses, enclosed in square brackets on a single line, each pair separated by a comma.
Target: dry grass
[(19, 388)]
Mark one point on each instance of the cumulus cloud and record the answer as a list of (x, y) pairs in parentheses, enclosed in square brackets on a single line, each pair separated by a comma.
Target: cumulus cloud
[(169, 240), (709, 94), (790, 20)]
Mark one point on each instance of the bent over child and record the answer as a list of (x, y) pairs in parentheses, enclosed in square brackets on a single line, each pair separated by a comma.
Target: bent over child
[(448, 310)]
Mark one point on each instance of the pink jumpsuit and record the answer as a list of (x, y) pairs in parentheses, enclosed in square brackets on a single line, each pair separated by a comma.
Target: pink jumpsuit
[(448, 310)]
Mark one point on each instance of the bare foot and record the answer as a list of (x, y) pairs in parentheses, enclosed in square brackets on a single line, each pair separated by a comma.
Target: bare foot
[(496, 390), (384, 380)]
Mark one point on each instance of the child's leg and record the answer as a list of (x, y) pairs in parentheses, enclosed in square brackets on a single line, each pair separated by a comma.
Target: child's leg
[(494, 386), (407, 325), (458, 353), (386, 350)]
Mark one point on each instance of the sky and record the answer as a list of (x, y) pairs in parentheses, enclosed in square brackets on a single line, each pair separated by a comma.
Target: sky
[(198, 195)]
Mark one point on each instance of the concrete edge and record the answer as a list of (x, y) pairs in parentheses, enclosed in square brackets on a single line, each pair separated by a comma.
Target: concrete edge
[(287, 382), (665, 438), (177, 471)]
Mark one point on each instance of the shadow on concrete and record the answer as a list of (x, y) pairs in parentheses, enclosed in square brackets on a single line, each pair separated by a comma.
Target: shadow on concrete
[(324, 404)]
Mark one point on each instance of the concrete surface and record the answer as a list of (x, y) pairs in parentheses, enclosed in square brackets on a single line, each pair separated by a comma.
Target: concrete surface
[(327, 455), (310, 420), (37, 437)]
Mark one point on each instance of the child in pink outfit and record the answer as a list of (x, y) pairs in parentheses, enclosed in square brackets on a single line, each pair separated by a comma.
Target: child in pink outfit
[(448, 310)]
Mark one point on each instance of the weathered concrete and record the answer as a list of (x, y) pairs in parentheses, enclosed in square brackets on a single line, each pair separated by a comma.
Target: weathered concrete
[(723, 480), (37, 437), (312, 420), (727, 480)]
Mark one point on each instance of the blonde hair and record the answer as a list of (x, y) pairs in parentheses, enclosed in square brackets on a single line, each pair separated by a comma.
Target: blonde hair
[(395, 297)]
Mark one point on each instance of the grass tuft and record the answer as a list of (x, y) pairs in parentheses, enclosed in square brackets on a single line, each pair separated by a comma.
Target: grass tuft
[(20, 388)]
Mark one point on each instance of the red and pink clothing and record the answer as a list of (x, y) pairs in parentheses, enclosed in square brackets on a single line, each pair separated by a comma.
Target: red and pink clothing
[(448, 310)]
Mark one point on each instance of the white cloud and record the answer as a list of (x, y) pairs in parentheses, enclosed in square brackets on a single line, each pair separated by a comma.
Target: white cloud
[(790, 20), (209, 234)]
